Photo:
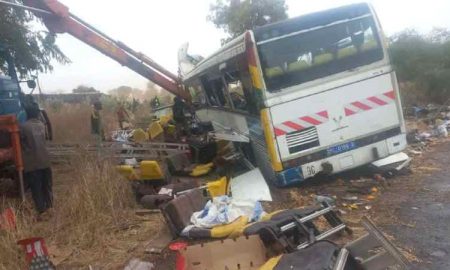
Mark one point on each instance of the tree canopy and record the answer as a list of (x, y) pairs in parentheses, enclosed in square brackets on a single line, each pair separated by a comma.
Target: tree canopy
[(422, 63), (237, 16), (31, 49)]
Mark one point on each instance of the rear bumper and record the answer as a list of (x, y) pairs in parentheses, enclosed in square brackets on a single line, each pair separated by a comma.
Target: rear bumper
[(344, 161)]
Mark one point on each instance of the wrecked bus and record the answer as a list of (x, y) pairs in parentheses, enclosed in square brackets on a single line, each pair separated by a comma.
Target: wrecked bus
[(313, 94)]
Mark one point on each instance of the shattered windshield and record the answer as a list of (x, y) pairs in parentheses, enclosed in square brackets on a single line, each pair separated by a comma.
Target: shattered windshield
[(313, 54)]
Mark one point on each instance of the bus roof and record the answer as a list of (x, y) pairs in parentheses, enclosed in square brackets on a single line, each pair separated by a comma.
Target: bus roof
[(228, 51)]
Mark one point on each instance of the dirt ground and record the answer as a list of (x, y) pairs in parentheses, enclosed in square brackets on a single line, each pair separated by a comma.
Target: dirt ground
[(411, 209), (422, 210)]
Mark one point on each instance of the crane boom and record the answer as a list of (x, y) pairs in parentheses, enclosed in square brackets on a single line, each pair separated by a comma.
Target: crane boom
[(58, 19)]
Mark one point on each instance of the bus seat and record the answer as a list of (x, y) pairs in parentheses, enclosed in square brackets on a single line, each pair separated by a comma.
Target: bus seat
[(273, 72), (164, 119), (346, 52), (155, 129), (139, 135), (297, 66), (369, 45), (127, 171), (151, 170), (323, 58)]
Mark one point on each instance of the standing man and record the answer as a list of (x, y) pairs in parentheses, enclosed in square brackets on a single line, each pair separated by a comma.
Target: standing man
[(37, 171), (179, 116), (96, 121), (122, 115)]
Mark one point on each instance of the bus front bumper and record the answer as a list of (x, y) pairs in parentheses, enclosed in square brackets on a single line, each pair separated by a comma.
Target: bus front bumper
[(343, 161)]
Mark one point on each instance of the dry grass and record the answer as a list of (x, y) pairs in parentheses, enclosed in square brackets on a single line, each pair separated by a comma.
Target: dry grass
[(71, 122), (93, 222)]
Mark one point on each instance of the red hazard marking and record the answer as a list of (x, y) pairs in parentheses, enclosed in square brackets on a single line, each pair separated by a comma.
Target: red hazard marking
[(361, 105), (323, 114), (390, 94), (293, 125), (307, 121), (310, 120), (365, 105), (348, 112), (278, 132), (377, 101)]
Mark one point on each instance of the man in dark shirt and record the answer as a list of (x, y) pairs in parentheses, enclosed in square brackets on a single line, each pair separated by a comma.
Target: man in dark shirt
[(37, 171), (179, 110)]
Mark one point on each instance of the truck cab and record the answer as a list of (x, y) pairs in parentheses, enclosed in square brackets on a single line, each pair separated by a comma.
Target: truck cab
[(10, 98)]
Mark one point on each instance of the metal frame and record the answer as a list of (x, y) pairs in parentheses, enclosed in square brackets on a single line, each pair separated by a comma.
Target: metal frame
[(63, 152)]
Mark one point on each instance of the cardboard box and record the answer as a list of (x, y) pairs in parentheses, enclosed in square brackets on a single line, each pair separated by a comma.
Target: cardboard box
[(243, 253)]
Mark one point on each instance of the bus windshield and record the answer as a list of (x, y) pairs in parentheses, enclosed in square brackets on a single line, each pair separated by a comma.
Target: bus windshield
[(319, 52)]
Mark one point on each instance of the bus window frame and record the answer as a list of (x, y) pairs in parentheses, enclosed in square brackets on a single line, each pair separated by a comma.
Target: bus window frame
[(377, 35), (236, 64)]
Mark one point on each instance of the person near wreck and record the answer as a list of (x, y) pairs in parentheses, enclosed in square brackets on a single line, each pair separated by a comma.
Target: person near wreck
[(179, 111), (36, 160)]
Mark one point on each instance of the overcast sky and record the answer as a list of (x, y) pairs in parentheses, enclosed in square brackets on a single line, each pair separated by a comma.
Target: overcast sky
[(158, 28)]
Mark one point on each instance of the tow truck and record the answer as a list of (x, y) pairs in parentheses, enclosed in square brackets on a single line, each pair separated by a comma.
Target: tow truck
[(12, 113), (58, 19)]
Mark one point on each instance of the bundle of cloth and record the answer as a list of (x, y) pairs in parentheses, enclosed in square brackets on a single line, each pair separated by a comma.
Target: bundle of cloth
[(223, 217)]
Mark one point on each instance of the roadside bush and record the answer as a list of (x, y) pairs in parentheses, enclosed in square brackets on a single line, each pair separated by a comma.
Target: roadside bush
[(422, 63)]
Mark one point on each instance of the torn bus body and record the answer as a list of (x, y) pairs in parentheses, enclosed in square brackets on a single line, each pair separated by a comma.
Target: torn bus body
[(314, 94)]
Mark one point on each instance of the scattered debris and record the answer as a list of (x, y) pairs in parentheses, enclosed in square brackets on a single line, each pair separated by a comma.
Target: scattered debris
[(159, 243), (36, 253), (250, 186), (8, 219), (137, 264), (414, 152), (350, 198), (320, 199), (393, 163), (242, 253), (144, 212)]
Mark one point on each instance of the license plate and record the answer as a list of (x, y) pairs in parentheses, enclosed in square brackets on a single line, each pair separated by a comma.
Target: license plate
[(341, 148)]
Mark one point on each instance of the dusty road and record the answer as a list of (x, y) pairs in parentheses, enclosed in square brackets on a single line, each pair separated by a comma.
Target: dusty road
[(423, 212), (412, 209)]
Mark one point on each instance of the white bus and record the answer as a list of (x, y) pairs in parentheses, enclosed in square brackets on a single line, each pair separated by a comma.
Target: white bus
[(314, 94)]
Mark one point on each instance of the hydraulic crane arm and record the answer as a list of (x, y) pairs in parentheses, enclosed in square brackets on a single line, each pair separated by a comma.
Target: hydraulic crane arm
[(58, 19)]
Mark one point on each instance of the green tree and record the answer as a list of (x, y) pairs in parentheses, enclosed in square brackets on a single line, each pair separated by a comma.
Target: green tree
[(123, 93), (32, 50), (237, 16), (423, 63), (83, 89)]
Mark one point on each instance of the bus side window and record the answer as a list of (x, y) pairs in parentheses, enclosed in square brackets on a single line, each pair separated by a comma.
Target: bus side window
[(235, 90), (197, 94), (240, 92), (219, 91), (249, 92), (209, 91), (214, 89)]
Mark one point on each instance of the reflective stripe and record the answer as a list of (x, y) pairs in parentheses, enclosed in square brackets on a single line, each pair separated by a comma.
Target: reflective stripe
[(369, 103), (271, 149), (301, 123), (256, 78)]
